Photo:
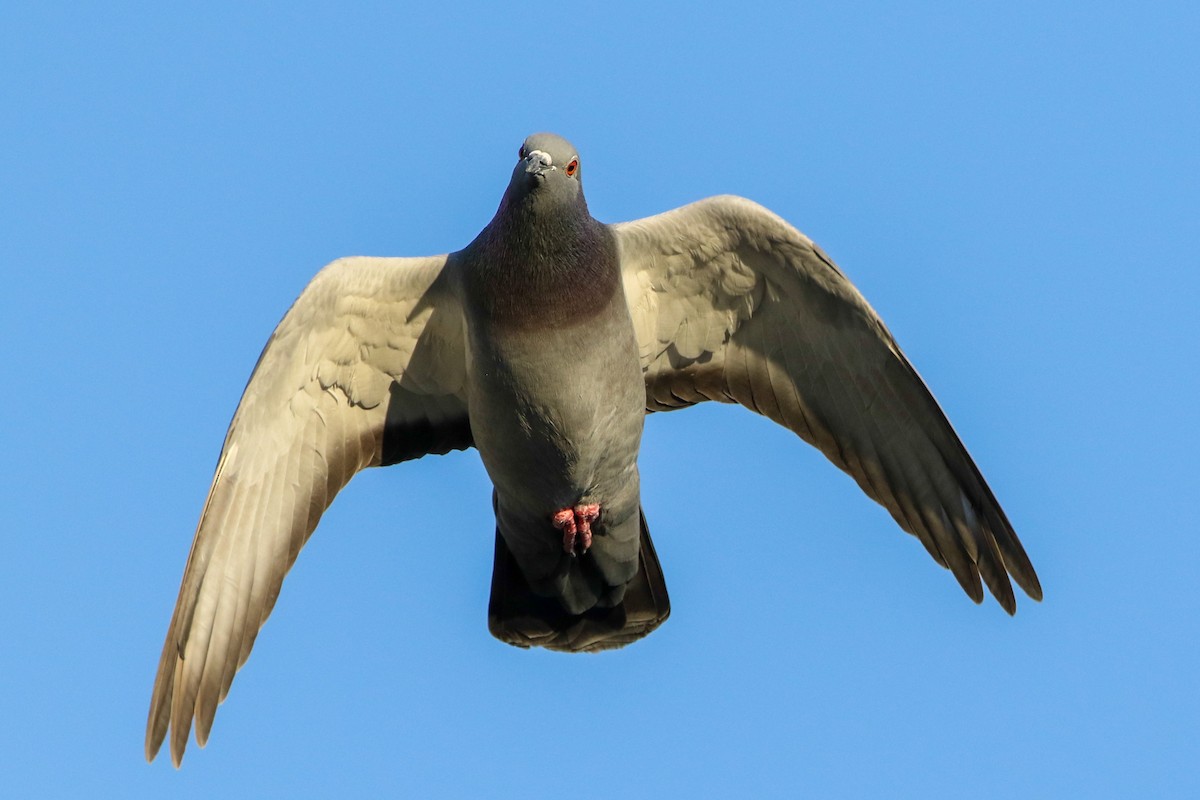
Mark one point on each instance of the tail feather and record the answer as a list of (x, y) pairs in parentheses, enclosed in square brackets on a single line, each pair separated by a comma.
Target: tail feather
[(520, 617)]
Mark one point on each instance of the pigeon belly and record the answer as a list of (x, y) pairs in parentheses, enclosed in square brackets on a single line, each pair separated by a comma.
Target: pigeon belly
[(557, 414)]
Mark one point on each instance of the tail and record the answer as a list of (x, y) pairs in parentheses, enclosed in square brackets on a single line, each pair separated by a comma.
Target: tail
[(519, 617)]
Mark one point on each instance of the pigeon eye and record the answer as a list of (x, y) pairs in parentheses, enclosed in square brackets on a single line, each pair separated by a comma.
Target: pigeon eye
[(521, 152), (573, 166)]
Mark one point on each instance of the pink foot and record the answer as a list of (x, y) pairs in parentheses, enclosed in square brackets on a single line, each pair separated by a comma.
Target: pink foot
[(576, 523)]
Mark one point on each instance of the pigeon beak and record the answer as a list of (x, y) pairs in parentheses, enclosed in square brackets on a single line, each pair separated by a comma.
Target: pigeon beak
[(538, 164)]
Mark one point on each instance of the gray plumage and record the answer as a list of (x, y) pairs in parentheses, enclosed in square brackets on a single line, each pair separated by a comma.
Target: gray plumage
[(543, 343)]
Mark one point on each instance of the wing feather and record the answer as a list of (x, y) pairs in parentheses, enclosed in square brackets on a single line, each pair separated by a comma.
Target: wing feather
[(368, 367), (731, 303)]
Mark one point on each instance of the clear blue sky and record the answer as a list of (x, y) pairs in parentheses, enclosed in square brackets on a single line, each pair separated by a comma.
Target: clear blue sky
[(1015, 188)]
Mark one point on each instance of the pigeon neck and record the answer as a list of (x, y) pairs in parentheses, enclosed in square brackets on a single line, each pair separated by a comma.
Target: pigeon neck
[(539, 264), (545, 233)]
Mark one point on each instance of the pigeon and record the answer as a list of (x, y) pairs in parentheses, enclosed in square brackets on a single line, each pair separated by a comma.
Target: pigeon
[(544, 343)]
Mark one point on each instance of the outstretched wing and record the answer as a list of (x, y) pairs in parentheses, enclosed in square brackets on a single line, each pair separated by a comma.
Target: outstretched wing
[(367, 368), (731, 303)]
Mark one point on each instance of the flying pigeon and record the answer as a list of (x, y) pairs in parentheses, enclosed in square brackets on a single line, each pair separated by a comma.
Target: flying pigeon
[(543, 344)]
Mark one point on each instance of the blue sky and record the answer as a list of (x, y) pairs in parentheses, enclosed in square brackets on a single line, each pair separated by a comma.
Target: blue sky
[(1012, 185)]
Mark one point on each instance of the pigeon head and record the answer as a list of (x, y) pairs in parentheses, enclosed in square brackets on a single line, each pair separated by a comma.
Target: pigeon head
[(547, 170)]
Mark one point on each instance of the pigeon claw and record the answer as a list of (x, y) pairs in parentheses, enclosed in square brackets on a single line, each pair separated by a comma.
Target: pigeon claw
[(576, 526)]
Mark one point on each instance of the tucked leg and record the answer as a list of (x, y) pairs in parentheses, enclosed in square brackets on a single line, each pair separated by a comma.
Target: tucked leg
[(576, 525)]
